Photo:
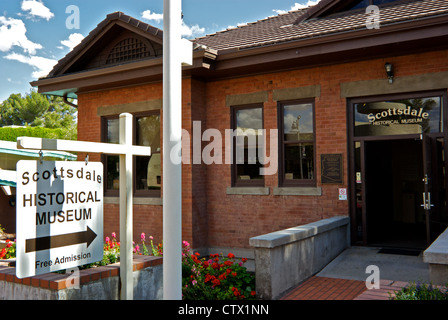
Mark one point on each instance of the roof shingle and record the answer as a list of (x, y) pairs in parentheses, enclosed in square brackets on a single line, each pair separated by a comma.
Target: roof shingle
[(282, 28)]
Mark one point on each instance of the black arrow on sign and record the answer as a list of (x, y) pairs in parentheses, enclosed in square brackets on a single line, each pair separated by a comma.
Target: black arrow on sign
[(63, 240)]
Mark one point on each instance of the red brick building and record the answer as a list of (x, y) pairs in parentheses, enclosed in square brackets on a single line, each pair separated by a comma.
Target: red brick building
[(318, 75)]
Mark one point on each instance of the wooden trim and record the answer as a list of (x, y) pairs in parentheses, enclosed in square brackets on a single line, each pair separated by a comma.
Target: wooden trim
[(81, 52), (234, 181), (282, 182), (136, 114)]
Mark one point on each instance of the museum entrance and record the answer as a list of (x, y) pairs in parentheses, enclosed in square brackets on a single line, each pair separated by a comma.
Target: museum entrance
[(397, 171), (393, 187)]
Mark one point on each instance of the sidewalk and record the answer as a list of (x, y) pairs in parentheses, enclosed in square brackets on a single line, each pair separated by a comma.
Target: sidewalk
[(323, 288)]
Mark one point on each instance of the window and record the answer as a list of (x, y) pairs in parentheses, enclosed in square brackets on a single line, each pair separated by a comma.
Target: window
[(247, 126), (147, 170), (296, 145)]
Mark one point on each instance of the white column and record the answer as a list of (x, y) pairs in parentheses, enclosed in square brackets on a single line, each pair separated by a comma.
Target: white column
[(126, 267), (172, 132)]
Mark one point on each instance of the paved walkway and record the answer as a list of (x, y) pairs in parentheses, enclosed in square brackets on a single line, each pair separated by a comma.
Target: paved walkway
[(323, 288)]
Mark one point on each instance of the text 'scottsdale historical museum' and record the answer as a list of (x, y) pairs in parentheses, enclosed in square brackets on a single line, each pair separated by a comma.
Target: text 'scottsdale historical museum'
[(361, 113)]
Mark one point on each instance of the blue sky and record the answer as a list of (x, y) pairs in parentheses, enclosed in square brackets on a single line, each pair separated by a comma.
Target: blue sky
[(35, 34)]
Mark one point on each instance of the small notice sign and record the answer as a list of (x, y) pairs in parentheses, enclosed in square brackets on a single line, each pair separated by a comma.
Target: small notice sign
[(59, 215), (342, 193)]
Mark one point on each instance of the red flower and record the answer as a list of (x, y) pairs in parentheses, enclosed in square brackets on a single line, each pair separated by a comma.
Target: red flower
[(228, 263), (252, 293), (209, 277), (215, 265), (222, 276), (195, 259), (205, 264), (216, 282), (244, 260), (231, 256)]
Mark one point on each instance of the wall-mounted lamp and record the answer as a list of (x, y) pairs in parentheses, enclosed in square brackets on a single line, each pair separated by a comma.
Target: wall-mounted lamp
[(389, 71)]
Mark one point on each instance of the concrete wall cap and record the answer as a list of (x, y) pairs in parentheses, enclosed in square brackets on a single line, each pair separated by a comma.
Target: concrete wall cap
[(282, 237), (437, 252)]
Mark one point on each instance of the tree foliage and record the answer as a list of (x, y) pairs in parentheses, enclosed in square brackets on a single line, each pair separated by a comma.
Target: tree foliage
[(38, 110)]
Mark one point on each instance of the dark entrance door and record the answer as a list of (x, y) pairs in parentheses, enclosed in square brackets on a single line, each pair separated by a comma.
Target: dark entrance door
[(397, 170), (434, 195), (393, 183)]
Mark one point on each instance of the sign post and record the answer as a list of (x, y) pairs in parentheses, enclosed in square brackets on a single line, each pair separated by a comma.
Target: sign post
[(126, 151), (126, 168)]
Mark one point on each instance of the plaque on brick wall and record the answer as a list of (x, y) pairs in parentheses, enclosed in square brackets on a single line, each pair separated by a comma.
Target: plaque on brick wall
[(331, 168)]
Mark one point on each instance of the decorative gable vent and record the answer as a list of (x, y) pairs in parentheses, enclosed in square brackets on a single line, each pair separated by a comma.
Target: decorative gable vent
[(128, 49)]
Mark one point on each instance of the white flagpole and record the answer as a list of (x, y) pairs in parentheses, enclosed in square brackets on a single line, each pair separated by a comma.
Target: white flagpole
[(172, 132)]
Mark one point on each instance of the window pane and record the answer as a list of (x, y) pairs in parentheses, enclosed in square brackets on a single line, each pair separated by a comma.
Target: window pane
[(249, 125), (112, 131), (112, 164), (148, 169), (409, 116), (148, 132), (299, 161), (298, 122)]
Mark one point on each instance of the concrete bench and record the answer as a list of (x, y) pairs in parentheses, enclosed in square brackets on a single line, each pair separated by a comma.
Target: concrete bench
[(285, 258), (437, 257)]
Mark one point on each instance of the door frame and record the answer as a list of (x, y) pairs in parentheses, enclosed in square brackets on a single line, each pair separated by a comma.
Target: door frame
[(351, 150)]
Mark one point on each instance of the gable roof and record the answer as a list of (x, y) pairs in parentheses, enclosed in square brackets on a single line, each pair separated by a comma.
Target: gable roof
[(302, 38), (105, 26), (300, 24)]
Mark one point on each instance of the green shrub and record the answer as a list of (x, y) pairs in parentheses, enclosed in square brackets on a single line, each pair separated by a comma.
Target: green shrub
[(421, 291), (11, 134)]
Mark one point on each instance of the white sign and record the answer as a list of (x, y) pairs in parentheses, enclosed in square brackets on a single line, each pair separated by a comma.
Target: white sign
[(59, 215), (342, 194)]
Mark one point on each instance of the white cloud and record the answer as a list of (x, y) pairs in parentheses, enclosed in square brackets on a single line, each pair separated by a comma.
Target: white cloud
[(186, 30), (73, 40), (37, 9), (148, 15), (14, 81), (298, 6), (13, 33), (238, 25), (42, 66), (191, 31)]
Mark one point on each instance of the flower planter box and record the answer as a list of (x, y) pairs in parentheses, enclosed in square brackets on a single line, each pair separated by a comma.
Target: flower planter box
[(101, 283)]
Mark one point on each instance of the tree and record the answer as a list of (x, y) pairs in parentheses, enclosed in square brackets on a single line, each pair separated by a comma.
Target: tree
[(38, 110)]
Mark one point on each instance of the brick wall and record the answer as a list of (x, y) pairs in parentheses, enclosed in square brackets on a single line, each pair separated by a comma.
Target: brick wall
[(212, 218)]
